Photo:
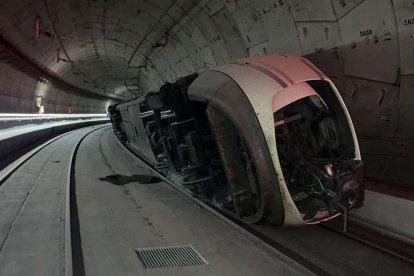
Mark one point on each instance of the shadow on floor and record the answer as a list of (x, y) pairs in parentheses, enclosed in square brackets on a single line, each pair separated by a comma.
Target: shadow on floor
[(120, 180)]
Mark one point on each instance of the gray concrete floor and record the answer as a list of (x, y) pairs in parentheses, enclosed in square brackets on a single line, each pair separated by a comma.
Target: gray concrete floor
[(144, 215), (32, 205), (115, 219)]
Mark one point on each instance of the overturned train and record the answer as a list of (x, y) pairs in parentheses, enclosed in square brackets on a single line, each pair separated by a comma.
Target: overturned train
[(266, 139)]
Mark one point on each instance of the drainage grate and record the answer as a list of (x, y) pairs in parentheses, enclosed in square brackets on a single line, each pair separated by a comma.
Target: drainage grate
[(170, 256)]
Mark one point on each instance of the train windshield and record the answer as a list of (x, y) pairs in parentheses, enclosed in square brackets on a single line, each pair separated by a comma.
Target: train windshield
[(316, 157)]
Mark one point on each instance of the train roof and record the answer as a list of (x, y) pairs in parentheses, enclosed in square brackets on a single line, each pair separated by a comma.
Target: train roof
[(285, 69)]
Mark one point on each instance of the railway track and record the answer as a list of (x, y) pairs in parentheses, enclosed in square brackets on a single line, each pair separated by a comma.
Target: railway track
[(72, 263), (74, 255), (376, 240), (278, 249)]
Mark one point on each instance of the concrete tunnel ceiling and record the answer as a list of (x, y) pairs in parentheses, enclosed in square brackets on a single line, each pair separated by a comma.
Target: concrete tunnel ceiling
[(364, 46)]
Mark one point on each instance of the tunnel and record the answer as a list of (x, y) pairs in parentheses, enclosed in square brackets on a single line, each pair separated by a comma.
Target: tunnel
[(106, 54), (82, 56)]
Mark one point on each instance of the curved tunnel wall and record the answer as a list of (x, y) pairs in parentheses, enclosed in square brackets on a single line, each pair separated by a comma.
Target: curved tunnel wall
[(364, 46), (22, 94)]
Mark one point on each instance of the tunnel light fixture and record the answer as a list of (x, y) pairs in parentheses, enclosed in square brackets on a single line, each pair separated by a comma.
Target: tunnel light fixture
[(6, 117), (57, 55), (157, 45), (146, 46), (38, 29), (65, 37), (37, 26)]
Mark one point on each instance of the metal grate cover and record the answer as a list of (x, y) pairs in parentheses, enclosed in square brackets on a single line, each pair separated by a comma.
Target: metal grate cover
[(170, 256)]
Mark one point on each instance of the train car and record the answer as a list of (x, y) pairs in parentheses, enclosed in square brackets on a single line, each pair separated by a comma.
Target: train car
[(266, 139)]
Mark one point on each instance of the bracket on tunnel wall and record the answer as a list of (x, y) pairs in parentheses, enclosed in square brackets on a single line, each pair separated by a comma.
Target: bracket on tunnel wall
[(58, 58)]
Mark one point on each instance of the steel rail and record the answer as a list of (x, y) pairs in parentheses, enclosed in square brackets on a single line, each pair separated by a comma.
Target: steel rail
[(386, 244), (72, 235)]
